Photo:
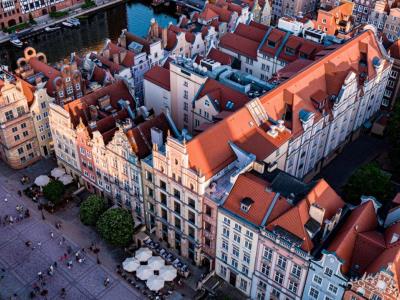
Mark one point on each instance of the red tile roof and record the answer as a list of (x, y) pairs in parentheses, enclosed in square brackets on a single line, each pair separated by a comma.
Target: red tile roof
[(221, 94), (253, 187), (362, 219), (221, 57), (79, 109), (327, 74), (396, 199), (239, 44), (395, 49), (251, 32), (159, 76), (295, 219), (140, 136), (48, 71)]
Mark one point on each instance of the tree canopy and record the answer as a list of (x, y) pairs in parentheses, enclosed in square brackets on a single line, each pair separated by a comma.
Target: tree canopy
[(393, 131), (369, 180), (91, 209), (116, 226), (54, 191)]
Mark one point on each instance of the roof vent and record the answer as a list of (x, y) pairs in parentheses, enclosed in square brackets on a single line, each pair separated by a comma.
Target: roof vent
[(246, 203), (272, 166), (395, 238), (272, 131), (92, 125), (281, 125)]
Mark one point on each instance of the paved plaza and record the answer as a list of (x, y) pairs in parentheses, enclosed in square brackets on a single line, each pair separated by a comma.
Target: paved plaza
[(20, 264)]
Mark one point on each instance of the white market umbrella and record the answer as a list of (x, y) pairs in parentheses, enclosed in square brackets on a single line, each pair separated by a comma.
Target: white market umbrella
[(42, 180), (66, 179), (156, 262), (168, 273), (155, 283), (144, 272), (130, 264), (57, 172), (143, 254)]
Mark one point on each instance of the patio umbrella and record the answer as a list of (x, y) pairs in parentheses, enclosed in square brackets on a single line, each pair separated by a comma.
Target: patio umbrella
[(156, 262), (130, 264), (42, 180), (66, 179), (168, 273), (155, 283), (144, 272), (57, 172), (143, 254)]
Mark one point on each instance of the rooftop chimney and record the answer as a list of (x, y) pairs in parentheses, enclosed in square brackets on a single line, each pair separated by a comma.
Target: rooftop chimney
[(157, 136), (104, 102), (281, 125), (272, 131), (92, 125), (93, 113)]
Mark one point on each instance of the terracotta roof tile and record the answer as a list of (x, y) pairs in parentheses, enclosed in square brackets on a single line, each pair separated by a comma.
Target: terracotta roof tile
[(159, 76), (239, 44), (250, 186), (79, 109), (140, 135), (219, 56), (362, 219), (250, 32), (221, 94), (327, 74)]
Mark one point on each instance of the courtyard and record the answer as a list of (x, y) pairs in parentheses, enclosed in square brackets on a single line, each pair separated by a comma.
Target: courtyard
[(20, 264)]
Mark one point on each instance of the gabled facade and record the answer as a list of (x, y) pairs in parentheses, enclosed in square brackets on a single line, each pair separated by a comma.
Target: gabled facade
[(19, 146), (64, 83), (325, 279)]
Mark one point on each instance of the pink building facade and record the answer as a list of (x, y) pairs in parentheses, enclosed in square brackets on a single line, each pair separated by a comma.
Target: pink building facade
[(281, 269)]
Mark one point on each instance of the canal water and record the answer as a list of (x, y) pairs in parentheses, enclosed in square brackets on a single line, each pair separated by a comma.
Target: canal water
[(92, 33)]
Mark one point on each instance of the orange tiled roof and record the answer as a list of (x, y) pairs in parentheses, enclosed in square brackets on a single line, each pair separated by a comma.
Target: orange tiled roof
[(79, 109), (220, 94), (396, 199), (253, 187), (362, 219), (295, 219), (325, 197), (48, 71), (210, 155), (140, 135)]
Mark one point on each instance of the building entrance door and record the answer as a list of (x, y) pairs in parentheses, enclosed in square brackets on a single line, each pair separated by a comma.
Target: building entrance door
[(232, 278)]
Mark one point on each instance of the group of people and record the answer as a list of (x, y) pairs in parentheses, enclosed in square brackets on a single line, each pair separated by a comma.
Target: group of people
[(22, 214)]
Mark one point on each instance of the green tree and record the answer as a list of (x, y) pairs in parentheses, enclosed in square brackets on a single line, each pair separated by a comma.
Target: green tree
[(116, 226), (393, 132), (54, 191), (91, 209), (369, 180)]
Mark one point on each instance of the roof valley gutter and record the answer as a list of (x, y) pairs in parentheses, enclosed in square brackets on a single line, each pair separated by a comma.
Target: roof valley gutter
[(270, 208), (286, 37), (264, 38)]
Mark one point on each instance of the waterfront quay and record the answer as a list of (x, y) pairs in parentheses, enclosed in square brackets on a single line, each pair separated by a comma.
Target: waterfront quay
[(94, 30)]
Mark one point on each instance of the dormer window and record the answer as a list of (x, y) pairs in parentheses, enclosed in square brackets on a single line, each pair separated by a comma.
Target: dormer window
[(245, 204), (289, 51), (271, 44)]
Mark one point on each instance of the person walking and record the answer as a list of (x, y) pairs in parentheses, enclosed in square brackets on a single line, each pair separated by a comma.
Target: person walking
[(106, 282), (63, 293)]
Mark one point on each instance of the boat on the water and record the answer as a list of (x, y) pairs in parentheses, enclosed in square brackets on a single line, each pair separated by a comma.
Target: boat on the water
[(16, 41), (71, 22), (50, 29)]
